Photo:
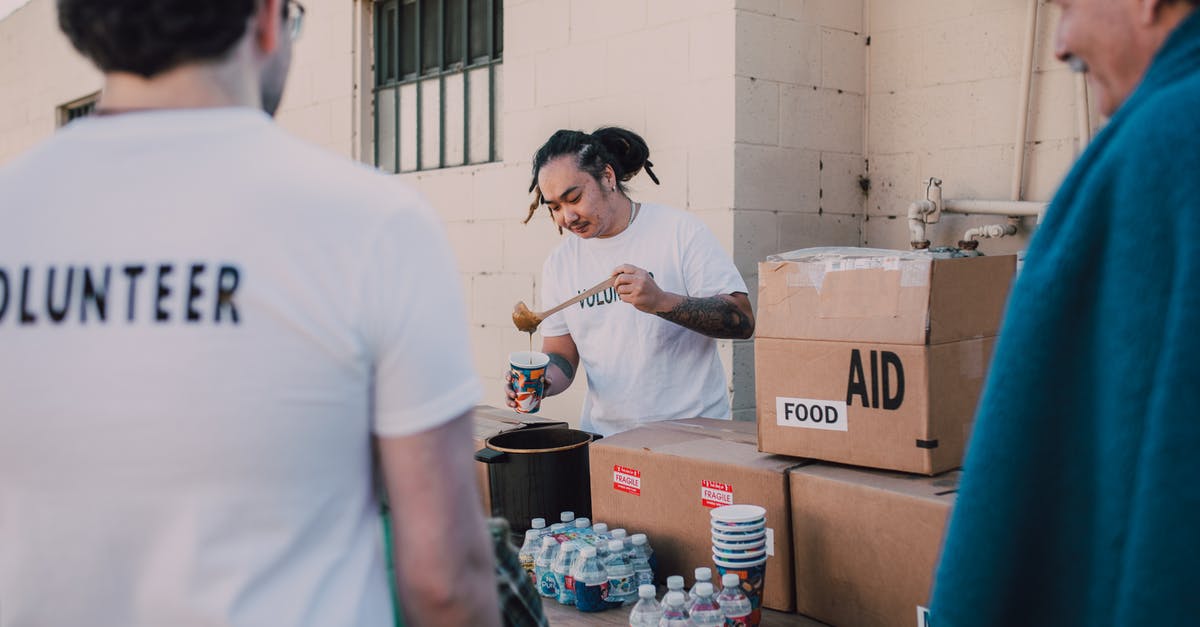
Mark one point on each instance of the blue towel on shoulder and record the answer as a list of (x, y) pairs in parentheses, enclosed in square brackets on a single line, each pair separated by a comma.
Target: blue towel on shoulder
[(1080, 500)]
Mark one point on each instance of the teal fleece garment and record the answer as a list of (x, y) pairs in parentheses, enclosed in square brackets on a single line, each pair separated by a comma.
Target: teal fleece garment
[(1080, 498)]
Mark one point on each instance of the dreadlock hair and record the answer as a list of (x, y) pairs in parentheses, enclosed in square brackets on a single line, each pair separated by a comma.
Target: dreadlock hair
[(621, 149)]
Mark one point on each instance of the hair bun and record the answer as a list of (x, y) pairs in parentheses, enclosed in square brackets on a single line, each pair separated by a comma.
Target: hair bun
[(627, 148)]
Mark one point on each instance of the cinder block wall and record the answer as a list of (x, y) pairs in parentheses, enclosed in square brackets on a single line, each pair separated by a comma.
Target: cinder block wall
[(944, 78)]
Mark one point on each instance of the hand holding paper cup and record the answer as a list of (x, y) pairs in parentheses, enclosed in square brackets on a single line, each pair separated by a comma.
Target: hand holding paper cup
[(527, 379)]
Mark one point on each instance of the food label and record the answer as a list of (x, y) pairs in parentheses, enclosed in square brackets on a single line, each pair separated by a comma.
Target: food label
[(627, 480), (715, 494), (810, 413)]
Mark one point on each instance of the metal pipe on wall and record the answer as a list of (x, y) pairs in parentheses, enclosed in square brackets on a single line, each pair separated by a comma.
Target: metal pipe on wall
[(1023, 101)]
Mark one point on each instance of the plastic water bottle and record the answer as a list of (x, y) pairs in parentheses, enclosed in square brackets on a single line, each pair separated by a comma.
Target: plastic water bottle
[(647, 612), (703, 575), (674, 612), (640, 560), (600, 531), (583, 527), (567, 554), (621, 587), (567, 518), (529, 551), (543, 568), (674, 584), (540, 525), (735, 605), (557, 531), (705, 612), (619, 534), (591, 581), (649, 551)]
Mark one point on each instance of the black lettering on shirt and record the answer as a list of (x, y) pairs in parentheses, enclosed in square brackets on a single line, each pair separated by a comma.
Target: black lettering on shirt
[(58, 313), (227, 283), (27, 316), (164, 290), (3, 286), (97, 297), (132, 272)]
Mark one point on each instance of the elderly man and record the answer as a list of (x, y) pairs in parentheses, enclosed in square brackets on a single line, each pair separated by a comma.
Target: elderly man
[(204, 336), (1080, 502)]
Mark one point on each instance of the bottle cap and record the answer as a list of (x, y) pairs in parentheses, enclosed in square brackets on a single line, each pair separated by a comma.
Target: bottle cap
[(646, 591), (730, 580), (703, 574), (548, 542), (566, 516), (538, 523), (675, 582), (615, 545), (582, 523), (674, 597), (704, 589), (639, 539), (587, 551), (532, 534), (569, 546), (618, 534), (600, 528)]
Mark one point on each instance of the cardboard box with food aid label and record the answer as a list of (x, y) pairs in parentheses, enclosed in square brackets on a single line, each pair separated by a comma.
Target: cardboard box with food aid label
[(875, 358), (663, 479), (867, 543), (891, 406), (490, 421), (881, 296)]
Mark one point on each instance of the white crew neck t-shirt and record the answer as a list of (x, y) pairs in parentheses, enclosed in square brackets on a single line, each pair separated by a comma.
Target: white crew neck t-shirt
[(641, 368), (202, 323)]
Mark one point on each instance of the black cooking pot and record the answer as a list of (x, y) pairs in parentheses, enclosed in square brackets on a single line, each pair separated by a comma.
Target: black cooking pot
[(538, 473)]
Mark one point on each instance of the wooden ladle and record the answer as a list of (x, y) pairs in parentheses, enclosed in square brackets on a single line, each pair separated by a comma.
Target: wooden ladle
[(527, 321)]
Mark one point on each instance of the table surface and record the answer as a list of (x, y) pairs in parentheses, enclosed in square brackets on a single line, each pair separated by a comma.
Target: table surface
[(563, 616)]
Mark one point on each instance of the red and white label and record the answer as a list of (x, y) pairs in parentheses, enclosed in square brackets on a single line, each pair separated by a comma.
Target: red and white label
[(715, 494), (627, 480)]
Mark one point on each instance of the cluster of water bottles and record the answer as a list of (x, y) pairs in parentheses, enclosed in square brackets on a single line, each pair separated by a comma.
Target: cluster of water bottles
[(594, 569)]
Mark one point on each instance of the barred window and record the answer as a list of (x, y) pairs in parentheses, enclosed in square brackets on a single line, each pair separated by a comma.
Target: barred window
[(82, 107), (437, 80)]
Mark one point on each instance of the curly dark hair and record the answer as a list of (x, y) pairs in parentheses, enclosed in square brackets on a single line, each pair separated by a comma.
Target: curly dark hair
[(147, 37), (621, 149)]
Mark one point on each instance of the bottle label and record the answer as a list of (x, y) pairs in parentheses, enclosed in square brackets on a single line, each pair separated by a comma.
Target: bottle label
[(546, 584), (566, 592), (621, 587), (591, 598)]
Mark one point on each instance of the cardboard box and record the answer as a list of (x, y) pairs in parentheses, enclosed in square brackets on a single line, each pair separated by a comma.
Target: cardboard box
[(891, 406), (490, 421), (881, 296), (662, 479), (867, 542)]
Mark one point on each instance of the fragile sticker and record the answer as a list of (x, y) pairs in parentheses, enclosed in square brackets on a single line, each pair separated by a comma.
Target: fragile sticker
[(715, 494), (810, 413), (627, 480)]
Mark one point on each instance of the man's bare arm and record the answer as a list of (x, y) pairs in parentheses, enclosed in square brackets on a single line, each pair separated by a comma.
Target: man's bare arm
[(726, 316), (445, 570)]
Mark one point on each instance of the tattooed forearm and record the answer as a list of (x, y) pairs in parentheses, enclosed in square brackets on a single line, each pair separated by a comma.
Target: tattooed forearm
[(563, 364), (715, 316)]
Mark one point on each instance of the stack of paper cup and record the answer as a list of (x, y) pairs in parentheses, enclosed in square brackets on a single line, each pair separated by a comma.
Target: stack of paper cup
[(739, 545)]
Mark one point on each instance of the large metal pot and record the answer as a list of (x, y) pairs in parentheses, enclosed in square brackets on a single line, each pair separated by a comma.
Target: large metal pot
[(538, 473)]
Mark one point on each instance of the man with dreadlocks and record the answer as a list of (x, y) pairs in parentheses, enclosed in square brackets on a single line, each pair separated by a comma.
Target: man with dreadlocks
[(647, 343)]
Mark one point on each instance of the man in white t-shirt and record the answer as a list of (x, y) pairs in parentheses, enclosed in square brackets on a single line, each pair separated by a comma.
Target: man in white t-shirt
[(647, 343), (206, 329)]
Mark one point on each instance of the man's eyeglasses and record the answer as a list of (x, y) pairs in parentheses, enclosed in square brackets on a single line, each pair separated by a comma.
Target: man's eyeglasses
[(293, 16)]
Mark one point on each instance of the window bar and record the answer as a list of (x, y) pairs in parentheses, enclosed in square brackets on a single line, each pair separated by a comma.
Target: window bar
[(375, 91), (417, 84), (442, 83), (466, 61), (491, 28)]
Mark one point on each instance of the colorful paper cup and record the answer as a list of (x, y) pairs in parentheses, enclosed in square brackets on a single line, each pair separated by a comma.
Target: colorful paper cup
[(739, 551), (528, 370), (755, 537), (747, 529), (752, 576), (738, 514)]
